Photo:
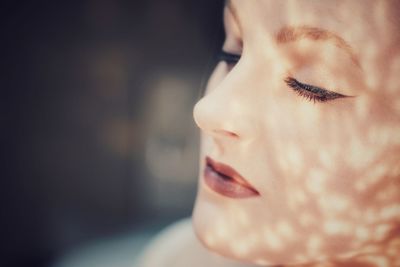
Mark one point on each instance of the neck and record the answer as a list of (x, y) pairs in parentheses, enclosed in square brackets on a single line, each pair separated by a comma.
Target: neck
[(386, 254)]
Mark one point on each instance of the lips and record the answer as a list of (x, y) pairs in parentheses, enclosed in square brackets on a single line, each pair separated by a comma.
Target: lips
[(226, 181)]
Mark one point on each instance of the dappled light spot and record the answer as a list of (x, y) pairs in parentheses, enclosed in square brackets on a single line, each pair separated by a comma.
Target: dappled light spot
[(295, 159), (326, 160), (315, 182), (337, 227), (370, 216), (380, 135), (371, 178), (381, 231), (272, 240), (362, 233), (306, 219), (314, 245), (334, 204), (300, 258), (221, 230), (240, 248), (242, 217), (390, 212), (309, 109), (376, 260), (358, 156), (296, 199), (285, 230), (328, 171)]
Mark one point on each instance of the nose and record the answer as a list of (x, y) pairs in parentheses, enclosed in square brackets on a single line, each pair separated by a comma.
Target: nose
[(223, 115)]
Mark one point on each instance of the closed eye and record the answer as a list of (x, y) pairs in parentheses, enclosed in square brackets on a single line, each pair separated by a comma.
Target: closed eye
[(311, 92), (229, 58)]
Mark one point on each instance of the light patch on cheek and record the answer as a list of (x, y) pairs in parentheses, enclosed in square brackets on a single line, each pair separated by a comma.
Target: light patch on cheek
[(337, 227), (307, 220), (242, 218), (240, 249), (370, 216), (295, 158), (285, 230), (371, 177), (333, 204), (272, 240), (296, 198), (390, 212), (362, 234), (311, 115), (358, 155), (316, 180), (326, 159), (381, 232), (291, 162), (380, 136), (374, 260), (314, 246)]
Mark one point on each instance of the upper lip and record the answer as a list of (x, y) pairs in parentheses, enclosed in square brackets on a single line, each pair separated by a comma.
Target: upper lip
[(228, 171)]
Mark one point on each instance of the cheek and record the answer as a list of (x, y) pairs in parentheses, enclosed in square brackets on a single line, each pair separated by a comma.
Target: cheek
[(328, 173), (329, 140), (349, 142), (337, 175)]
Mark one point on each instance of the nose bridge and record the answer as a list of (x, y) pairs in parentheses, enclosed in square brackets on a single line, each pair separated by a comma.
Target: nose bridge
[(226, 110)]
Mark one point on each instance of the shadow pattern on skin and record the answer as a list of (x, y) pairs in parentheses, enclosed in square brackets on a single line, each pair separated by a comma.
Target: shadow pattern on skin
[(328, 173)]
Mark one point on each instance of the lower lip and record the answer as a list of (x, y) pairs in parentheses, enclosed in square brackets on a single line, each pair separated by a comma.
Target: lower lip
[(226, 186)]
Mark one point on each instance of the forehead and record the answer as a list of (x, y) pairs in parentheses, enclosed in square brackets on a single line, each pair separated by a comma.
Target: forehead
[(355, 20)]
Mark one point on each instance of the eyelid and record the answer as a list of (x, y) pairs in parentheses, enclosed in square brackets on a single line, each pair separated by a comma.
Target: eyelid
[(229, 58), (311, 92)]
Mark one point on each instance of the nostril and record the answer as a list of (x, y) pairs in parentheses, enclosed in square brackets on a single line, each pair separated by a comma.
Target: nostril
[(213, 118), (226, 133)]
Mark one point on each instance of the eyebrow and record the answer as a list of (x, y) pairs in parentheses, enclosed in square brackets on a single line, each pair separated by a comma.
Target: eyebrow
[(292, 34), (295, 33)]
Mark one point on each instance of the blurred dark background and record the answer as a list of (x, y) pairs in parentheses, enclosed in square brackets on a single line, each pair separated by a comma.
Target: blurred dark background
[(98, 141)]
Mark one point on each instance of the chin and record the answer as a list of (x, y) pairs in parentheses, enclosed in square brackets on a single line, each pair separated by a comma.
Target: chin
[(221, 233), (208, 224)]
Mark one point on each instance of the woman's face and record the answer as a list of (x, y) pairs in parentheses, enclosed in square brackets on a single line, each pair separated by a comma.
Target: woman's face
[(309, 117)]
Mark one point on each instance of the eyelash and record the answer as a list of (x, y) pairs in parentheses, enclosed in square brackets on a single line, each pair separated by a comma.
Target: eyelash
[(229, 58), (310, 92)]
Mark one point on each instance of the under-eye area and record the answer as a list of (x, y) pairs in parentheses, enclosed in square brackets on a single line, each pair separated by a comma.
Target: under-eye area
[(311, 92)]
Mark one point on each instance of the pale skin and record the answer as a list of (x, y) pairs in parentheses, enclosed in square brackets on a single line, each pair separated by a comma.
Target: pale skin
[(328, 172)]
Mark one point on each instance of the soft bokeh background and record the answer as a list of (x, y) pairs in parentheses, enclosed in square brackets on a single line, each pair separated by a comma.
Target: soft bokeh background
[(96, 112)]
